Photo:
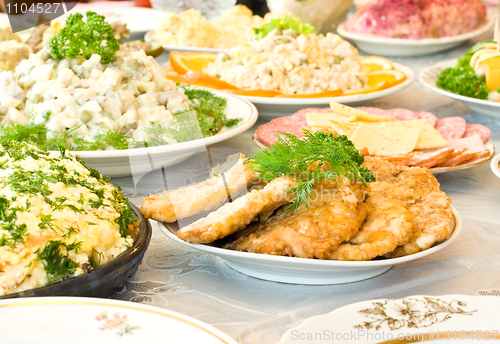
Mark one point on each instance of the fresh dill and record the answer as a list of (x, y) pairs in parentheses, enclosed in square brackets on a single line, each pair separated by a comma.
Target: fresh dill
[(315, 157), (56, 260)]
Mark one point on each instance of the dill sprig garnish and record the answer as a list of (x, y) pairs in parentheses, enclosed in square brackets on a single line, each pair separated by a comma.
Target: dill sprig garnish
[(317, 156)]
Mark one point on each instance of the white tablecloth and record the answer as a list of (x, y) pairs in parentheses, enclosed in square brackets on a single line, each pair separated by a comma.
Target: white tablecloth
[(258, 311)]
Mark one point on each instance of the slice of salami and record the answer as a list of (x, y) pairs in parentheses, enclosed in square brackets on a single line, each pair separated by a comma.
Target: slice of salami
[(301, 114), (478, 129), (401, 114), (428, 116), (451, 127), (373, 110), (267, 132)]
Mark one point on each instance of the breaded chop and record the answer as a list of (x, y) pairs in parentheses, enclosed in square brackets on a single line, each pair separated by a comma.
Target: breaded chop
[(433, 220), (234, 216), (387, 225), (200, 197), (305, 233), (417, 190)]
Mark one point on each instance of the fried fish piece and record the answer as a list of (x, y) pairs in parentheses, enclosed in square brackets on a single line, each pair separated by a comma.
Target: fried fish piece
[(388, 224), (306, 233), (234, 216), (200, 197)]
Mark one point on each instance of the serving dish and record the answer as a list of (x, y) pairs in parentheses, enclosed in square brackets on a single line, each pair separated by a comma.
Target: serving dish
[(417, 318), (271, 107), (306, 271), (91, 320), (101, 281), (495, 165), (435, 170), (138, 19), (149, 36), (428, 78), (385, 46), (138, 161)]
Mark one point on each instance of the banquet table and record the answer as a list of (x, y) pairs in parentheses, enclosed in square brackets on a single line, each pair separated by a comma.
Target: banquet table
[(259, 311)]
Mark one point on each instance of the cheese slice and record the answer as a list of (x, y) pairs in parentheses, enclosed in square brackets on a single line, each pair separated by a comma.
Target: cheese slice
[(385, 140), (359, 114), (326, 119), (429, 136)]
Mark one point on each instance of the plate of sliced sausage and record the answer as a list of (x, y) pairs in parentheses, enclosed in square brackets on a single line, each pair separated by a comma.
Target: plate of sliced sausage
[(468, 143)]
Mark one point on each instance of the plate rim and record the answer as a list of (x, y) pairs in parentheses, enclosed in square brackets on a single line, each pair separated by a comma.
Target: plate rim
[(317, 263), (495, 168), (437, 170), (406, 42), (178, 147), (89, 301), (360, 304)]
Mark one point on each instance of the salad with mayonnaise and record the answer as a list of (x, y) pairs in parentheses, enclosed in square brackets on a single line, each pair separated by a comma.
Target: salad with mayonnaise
[(85, 93)]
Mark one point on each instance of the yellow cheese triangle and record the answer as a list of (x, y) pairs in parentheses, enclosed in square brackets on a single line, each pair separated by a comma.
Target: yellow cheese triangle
[(359, 114), (385, 140), (429, 136)]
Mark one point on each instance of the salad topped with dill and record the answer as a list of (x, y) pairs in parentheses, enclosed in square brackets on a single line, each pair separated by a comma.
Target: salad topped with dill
[(84, 92)]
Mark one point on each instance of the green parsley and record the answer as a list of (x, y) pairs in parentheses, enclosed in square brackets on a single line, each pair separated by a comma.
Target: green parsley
[(79, 38), (462, 79), (332, 156), (281, 24)]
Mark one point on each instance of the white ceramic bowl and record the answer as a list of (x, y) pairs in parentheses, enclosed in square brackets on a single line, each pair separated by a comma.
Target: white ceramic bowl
[(139, 161), (495, 165), (384, 46), (306, 271)]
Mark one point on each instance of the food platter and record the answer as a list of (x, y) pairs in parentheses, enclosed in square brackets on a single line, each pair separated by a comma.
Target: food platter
[(138, 161), (435, 170), (92, 320), (100, 282), (495, 165), (384, 46), (306, 271), (429, 76), (445, 318), (149, 36), (271, 107), (138, 19)]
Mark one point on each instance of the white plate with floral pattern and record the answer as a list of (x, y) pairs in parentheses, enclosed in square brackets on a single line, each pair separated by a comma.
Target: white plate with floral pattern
[(413, 319), (92, 320), (307, 271)]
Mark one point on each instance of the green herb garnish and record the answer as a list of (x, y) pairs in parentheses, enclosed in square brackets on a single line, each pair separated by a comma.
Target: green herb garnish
[(315, 157), (57, 263), (79, 38), (281, 24), (463, 80)]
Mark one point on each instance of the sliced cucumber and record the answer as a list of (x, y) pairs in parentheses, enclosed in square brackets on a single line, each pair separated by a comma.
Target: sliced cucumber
[(482, 45), (482, 55)]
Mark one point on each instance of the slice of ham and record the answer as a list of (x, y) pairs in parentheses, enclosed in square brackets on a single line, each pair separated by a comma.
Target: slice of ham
[(431, 157), (469, 148)]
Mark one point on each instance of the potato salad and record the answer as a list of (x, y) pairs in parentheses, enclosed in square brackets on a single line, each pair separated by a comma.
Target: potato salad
[(124, 95), (58, 219), (292, 61)]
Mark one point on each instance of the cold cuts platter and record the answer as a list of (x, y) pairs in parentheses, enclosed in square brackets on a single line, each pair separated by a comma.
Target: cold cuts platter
[(443, 145)]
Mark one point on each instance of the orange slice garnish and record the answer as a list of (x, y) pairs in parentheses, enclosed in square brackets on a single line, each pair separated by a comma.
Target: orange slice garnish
[(390, 77), (185, 62), (200, 79), (374, 63)]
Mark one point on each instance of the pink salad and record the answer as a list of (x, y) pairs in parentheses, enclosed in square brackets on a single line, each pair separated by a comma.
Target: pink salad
[(417, 19)]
